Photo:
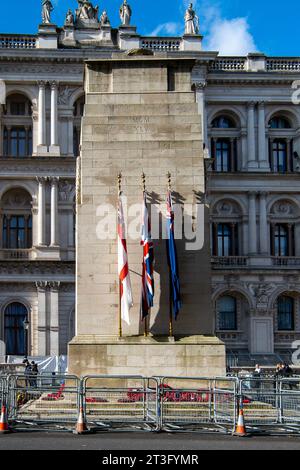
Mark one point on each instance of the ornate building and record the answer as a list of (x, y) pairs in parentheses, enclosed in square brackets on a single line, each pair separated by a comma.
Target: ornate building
[(250, 127)]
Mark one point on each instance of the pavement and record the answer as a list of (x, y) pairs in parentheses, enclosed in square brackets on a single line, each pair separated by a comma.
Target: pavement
[(128, 441)]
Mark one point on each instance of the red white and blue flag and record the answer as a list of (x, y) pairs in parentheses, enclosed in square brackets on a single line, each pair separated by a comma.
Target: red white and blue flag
[(123, 270), (172, 258), (148, 263)]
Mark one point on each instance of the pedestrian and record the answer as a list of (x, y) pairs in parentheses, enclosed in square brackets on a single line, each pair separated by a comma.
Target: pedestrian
[(257, 376), (288, 374), (34, 373), (27, 373)]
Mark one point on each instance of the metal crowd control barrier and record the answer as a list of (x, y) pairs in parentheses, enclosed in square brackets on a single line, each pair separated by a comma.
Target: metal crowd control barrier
[(43, 401), (197, 404), (289, 403), (123, 403), (3, 390)]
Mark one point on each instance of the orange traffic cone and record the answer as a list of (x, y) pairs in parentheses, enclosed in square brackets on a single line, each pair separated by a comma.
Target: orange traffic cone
[(240, 428), (3, 421), (81, 427)]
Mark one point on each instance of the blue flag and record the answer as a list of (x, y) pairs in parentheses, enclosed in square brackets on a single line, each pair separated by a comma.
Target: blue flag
[(172, 258)]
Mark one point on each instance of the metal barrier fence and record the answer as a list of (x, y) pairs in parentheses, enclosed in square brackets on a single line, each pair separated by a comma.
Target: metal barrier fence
[(136, 403), (43, 401), (120, 402), (197, 404)]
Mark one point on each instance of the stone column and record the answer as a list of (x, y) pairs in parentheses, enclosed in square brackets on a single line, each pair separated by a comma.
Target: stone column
[(54, 213), (252, 163), (42, 212), (42, 148), (263, 224), (42, 318), (54, 318), (262, 147), (252, 224), (54, 147), (200, 98), (71, 137)]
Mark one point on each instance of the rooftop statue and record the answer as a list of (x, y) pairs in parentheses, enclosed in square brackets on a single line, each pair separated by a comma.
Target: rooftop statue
[(47, 8), (86, 13), (69, 21), (104, 19), (125, 13), (191, 21)]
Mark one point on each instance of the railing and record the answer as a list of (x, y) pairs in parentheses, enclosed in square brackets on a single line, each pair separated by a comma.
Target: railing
[(161, 44), (286, 261), (9, 41), (284, 65), (231, 261), (229, 64), (15, 254)]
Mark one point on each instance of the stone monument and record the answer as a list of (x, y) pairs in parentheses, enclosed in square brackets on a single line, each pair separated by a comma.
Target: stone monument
[(140, 116)]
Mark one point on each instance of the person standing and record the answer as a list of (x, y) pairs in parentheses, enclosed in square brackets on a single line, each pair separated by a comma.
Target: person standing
[(34, 374)]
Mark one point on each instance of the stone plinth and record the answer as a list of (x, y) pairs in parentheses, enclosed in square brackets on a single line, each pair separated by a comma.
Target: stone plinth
[(140, 116), (47, 36), (196, 356)]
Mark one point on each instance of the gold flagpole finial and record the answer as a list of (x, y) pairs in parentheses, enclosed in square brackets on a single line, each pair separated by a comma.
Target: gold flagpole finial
[(169, 181), (120, 183), (144, 182)]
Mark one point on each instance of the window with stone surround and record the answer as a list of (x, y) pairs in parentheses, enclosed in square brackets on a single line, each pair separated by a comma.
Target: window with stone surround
[(15, 335), (227, 313), (281, 144), (16, 220), (17, 126), (285, 313), (224, 135)]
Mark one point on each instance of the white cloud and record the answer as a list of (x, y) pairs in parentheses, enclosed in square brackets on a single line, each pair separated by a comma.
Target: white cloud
[(170, 29), (230, 37)]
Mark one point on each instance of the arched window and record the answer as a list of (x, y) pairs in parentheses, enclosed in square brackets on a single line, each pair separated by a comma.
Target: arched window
[(222, 155), (223, 122), (285, 313), (15, 333), (280, 155), (227, 313), (16, 219), (17, 127), (279, 122)]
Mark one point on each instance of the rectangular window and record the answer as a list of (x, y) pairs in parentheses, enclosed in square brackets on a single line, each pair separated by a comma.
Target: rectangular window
[(285, 313)]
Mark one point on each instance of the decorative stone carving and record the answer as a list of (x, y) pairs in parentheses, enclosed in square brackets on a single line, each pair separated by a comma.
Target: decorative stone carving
[(66, 189), (86, 14), (191, 21), (282, 208), (125, 13), (64, 95), (47, 8), (226, 208), (261, 292)]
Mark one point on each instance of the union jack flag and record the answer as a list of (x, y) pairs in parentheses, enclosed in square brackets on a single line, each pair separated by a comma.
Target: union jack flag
[(148, 263)]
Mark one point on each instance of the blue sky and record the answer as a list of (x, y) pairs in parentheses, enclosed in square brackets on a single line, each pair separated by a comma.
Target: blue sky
[(231, 26)]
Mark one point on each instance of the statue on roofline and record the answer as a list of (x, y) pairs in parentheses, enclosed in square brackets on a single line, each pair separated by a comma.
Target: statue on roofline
[(191, 21), (86, 11), (47, 8), (125, 13)]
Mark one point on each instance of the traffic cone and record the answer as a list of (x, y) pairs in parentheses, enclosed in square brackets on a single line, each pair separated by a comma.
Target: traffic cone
[(81, 427), (3, 421), (240, 429)]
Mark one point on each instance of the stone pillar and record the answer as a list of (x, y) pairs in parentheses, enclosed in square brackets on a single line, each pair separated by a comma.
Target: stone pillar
[(42, 318), (200, 98), (263, 224), (252, 163), (71, 137), (262, 147), (42, 212), (54, 212), (252, 224), (54, 147), (54, 318), (42, 148)]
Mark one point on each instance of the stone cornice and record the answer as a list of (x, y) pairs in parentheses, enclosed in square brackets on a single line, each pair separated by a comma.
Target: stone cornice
[(250, 78), (48, 269), (38, 166)]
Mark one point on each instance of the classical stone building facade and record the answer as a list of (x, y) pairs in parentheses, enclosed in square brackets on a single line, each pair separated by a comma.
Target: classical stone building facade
[(250, 127)]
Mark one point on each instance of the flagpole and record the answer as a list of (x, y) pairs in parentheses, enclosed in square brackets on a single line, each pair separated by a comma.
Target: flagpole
[(120, 307), (146, 318), (170, 283)]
